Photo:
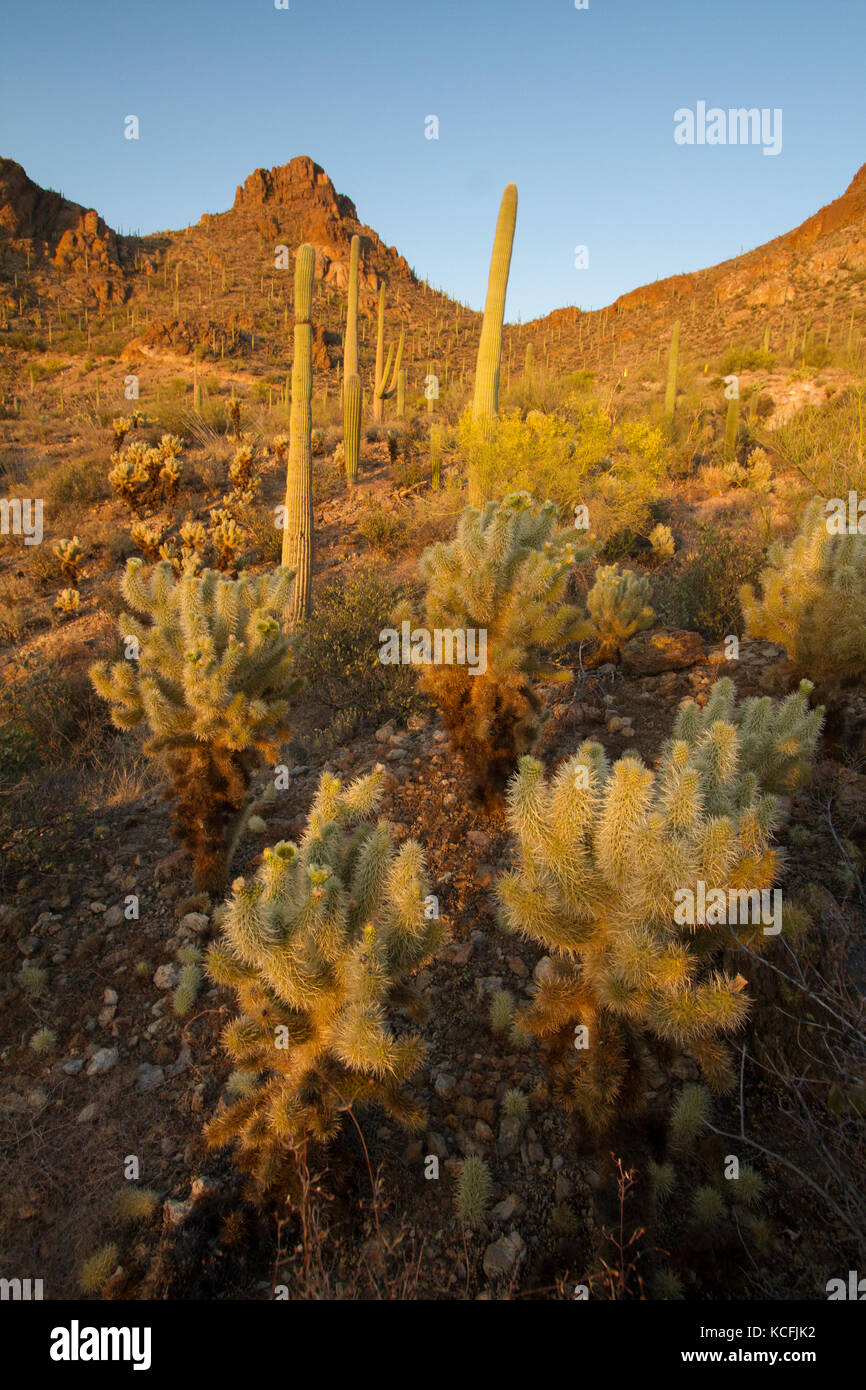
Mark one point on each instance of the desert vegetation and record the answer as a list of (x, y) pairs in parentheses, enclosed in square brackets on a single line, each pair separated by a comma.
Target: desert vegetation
[(472, 657)]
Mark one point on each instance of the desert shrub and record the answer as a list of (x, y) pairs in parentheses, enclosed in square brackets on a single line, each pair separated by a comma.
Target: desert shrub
[(542, 454), (603, 855), (504, 576), (72, 480), (746, 359), (211, 679), (383, 529), (318, 947), (703, 594), (339, 645), (823, 444), (813, 599)]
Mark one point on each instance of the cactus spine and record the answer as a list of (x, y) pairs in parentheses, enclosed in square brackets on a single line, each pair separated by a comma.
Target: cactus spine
[(352, 426), (671, 388), (298, 535), (486, 400)]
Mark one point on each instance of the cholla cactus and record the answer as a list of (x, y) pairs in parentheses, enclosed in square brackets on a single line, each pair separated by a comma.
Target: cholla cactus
[(211, 675), (472, 1194), (67, 602), (618, 608), (813, 600), (244, 472), (318, 946), (143, 476), (504, 575), (228, 539), (147, 537), (121, 425), (281, 447), (760, 471), (235, 417), (70, 554), (662, 542), (605, 858)]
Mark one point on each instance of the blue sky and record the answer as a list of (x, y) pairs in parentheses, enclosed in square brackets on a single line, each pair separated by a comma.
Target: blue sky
[(575, 106)]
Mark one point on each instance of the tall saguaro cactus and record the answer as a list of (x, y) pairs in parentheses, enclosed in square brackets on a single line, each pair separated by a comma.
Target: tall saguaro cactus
[(350, 351), (671, 388), (352, 426), (486, 400), (298, 535)]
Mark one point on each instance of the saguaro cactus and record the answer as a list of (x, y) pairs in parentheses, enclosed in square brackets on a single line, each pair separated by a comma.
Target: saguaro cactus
[(732, 428), (401, 393), (350, 351), (298, 535), (671, 388), (352, 426), (486, 400)]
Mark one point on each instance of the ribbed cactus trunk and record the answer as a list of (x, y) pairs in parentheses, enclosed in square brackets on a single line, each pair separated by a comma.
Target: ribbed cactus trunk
[(435, 457), (732, 428), (298, 535), (378, 396), (401, 393), (352, 427), (350, 350), (486, 401), (671, 388)]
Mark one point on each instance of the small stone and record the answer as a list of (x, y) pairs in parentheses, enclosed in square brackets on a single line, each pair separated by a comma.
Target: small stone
[(483, 1132), (28, 944), (444, 1084), (165, 976), (517, 967), (508, 1208), (436, 1145), (176, 1212), (563, 1188), (73, 1066), (440, 736), (479, 838), (103, 1061), (614, 724), (196, 923), (462, 954), (148, 1077), (85, 1116), (109, 996), (510, 1128), (501, 1257), (112, 917)]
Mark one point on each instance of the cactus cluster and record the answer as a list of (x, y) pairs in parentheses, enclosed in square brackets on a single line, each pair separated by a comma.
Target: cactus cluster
[(208, 669), (812, 600), (504, 575), (603, 855), (144, 476), (318, 947)]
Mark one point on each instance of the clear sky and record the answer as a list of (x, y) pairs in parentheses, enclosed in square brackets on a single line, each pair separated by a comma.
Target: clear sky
[(575, 106)]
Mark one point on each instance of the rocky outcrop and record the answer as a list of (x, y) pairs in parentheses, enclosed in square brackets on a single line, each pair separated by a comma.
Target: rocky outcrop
[(661, 649)]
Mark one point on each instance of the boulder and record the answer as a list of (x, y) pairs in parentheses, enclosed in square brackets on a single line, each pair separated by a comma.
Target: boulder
[(660, 649)]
